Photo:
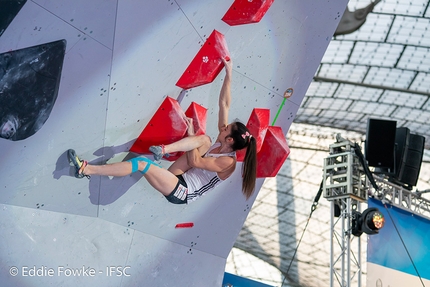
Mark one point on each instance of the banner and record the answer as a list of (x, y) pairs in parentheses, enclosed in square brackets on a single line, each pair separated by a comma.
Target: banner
[(399, 254)]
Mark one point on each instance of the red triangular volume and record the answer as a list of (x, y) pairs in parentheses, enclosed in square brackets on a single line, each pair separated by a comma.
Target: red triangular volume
[(199, 114), (273, 153), (207, 64), (246, 11), (166, 126), (257, 125)]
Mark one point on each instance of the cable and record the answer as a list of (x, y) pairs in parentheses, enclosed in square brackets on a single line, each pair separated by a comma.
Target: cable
[(365, 166), (317, 197), (295, 251), (314, 206), (360, 156), (404, 245)]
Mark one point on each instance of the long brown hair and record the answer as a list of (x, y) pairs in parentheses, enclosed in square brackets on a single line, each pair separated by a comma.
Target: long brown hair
[(243, 139)]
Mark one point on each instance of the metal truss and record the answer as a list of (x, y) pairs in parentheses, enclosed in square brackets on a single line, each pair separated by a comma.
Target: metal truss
[(345, 186), (400, 197), (344, 176), (345, 260)]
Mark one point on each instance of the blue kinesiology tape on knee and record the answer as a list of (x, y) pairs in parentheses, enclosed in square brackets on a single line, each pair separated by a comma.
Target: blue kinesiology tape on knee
[(146, 168), (135, 164), (148, 164)]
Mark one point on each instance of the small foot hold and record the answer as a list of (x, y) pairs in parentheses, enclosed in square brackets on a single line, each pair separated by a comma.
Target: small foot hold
[(158, 152), (184, 225), (78, 164)]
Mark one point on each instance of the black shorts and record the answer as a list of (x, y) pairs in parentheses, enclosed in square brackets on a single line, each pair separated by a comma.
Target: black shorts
[(179, 194)]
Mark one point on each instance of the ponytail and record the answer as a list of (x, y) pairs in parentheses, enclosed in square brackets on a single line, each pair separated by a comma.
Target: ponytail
[(249, 168), (243, 139)]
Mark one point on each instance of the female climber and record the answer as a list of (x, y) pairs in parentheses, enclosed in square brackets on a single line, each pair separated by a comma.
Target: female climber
[(201, 168)]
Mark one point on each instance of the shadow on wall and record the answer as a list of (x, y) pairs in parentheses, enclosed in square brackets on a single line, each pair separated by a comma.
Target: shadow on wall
[(113, 187), (29, 82)]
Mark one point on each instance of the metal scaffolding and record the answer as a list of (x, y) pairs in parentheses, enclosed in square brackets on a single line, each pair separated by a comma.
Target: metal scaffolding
[(345, 186), (400, 197)]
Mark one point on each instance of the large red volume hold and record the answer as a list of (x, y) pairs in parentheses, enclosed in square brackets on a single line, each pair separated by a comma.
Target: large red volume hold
[(257, 126), (166, 126), (207, 63), (246, 11), (199, 114), (273, 153)]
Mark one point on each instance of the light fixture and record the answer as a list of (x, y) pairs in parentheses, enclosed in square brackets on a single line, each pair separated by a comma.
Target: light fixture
[(369, 222)]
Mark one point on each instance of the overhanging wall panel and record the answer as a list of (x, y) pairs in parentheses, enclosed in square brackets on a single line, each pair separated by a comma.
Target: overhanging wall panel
[(108, 94)]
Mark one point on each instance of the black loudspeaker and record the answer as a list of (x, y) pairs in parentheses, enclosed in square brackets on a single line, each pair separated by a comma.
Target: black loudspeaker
[(379, 146), (401, 149), (409, 170)]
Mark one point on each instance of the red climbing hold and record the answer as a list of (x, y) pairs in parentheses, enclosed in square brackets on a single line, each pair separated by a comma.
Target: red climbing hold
[(184, 225), (273, 153), (166, 126), (257, 124), (207, 64), (246, 11), (199, 114)]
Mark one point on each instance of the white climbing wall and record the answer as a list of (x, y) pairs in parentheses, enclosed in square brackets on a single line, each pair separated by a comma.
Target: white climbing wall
[(123, 57)]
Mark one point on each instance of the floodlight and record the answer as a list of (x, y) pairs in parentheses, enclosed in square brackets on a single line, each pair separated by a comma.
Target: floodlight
[(369, 222)]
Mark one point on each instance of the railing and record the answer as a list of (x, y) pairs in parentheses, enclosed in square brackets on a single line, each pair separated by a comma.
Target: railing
[(400, 197)]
